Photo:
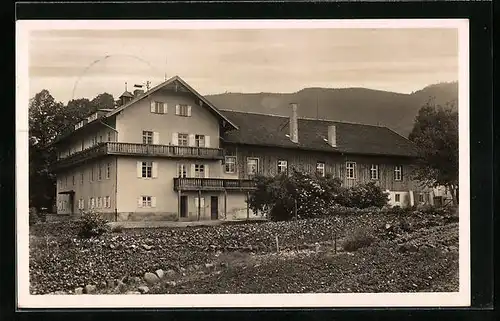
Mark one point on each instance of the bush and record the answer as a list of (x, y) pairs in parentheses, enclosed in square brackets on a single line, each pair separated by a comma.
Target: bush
[(92, 225), (117, 229), (359, 239), (310, 196), (364, 196)]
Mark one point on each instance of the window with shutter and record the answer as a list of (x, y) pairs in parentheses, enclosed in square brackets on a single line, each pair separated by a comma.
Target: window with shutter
[(182, 139), (199, 140), (199, 170), (147, 137)]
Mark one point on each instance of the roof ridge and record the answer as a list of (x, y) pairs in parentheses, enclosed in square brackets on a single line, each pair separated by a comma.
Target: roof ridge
[(252, 112), (305, 118)]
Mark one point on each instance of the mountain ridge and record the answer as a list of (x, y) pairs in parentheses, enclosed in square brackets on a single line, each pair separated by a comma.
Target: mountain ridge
[(394, 110)]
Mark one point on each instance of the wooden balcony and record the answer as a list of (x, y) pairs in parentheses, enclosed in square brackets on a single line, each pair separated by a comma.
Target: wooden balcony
[(213, 184), (132, 149)]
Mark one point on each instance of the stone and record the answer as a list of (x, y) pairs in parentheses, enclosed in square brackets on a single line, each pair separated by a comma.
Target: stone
[(90, 289), (209, 265), (147, 247), (170, 273), (79, 291), (160, 273), (120, 287), (133, 292), (171, 283), (111, 283), (59, 292), (196, 267), (143, 289), (103, 285), (151, 278)]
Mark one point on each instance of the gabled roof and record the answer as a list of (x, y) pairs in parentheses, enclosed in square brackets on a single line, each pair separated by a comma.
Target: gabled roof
[(112, 112), (352, 138), (162, 85), (126, 94)]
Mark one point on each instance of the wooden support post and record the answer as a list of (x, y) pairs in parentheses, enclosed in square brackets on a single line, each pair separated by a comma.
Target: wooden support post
[(248, 206), (199, 204), (225, 204), (179, 204)]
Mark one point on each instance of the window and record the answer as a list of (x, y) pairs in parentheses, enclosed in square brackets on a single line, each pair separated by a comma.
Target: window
[(92, 174), (100, 139), (158, 107), (182, 170), (397, 197), (146, 201), (282, 166), (421, 198), (108, 170), (66, 181), (199, 171), (252, 166), (99, 173), (109, 136), (320, 169), (230, 164), (99, 202), (73, 179), (350, 170), (182, 110), (182, 139), (374, 171), (83, 144), (92, 202), (199, 140), (81, 204), (147, 137), (398, 173), (147, 169), (107, 202), (81, 178)]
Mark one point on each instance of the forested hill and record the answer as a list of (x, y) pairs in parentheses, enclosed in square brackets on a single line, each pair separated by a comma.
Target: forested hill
[(394, 110)]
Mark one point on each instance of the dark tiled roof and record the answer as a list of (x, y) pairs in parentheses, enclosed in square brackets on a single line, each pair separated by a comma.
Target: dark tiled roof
[(270, 130), (127, 94)]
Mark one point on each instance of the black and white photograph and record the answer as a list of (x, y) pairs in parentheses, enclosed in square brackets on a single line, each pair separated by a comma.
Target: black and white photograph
[(238, 163)]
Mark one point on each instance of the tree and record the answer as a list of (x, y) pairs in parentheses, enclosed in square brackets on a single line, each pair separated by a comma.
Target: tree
[(103, 101), (435, 133), (45, 116)]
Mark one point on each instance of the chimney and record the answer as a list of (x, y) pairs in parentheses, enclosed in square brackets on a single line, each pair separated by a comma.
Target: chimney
[(294, 127), (332, 135), (138, 92)]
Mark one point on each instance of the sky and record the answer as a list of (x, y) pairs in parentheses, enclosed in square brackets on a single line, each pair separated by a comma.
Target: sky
[(84, 63)]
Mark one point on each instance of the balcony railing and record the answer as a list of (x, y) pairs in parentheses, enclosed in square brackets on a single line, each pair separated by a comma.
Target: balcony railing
[(213, 184), (132, 149)]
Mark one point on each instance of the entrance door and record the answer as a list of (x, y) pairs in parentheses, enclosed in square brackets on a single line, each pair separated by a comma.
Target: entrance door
[(214, 207), (183, 206)]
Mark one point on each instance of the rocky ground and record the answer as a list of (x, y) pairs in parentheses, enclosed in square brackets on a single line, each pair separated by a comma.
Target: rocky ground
[(406, 254)]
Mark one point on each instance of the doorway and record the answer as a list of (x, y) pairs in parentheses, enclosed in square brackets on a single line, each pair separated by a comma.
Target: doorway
[(183, 212), (214, 207)]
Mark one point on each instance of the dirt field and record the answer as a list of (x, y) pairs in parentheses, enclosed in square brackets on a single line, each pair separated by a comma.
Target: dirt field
[(408, 254)]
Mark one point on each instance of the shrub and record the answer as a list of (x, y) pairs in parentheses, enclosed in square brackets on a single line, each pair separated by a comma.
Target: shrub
[(92, 225), (359, 239), (364, 196)]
